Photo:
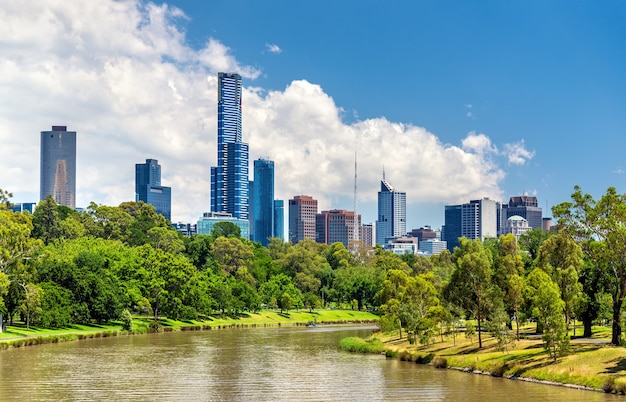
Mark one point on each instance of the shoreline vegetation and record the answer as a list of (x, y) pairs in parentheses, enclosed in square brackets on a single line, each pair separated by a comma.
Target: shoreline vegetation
[(593, 364), (19, 336)]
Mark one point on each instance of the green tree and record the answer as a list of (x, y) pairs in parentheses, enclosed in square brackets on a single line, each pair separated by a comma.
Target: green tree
[(599, 226), (232, 253), (548, 308), (471, 281), (31, 304), (5, 199), (530, 242), (225, 229), (46, 221), (562, 259), (56, 306)]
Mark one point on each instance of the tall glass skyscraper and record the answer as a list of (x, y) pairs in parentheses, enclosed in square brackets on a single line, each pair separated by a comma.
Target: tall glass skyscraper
[(263, 201), (58, 166), (229, 179), (148, 187), (391, 221)]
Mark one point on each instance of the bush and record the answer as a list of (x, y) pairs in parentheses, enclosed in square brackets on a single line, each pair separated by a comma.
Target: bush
[(155, 326), (440, 362), (127, 320), (356, 344)]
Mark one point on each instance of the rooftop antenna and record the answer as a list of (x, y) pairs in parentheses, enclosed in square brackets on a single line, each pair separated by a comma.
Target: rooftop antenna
[(356, 222), (383, 172)]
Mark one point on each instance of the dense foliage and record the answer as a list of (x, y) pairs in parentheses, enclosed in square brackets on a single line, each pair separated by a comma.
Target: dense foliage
[(60, 266)]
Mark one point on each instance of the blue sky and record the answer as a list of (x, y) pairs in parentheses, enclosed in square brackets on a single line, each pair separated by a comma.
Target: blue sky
[(484, 98)]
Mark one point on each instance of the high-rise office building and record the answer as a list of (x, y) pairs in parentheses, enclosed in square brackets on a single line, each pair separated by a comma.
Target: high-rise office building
[(58, 166), (302, 212), (336, 225), (367, 234), (229, 179), (262, 201), (526, 207), (148, 187), (477, 219), (391, 221), (279, 219)]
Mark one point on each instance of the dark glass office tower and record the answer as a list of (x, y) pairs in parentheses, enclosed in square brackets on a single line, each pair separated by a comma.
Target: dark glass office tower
[(263, 201), (148, 187), (391, 221), (229, 179), (58, 166)]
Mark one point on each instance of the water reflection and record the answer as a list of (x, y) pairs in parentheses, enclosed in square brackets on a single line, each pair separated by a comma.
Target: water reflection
[(271, 364)]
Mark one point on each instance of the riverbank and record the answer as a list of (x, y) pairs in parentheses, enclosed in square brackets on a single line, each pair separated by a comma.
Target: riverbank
[(19, 335), (592, 364)]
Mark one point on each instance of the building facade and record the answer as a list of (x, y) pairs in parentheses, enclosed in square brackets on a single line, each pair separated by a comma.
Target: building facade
[(391, 221), (148, 187), (516, 225), (302, 213), (477, 219), (432, 246), (58, 166), (279, 219), (367, 234), (262, 201), (229, 179), (210, 219), (336, 225), (525, 206)]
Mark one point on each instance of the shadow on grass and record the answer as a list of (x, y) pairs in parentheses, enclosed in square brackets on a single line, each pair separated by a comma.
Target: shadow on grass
[(619, 367)]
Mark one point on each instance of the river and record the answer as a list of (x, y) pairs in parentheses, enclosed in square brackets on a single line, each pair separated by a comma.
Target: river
[(268, 364)]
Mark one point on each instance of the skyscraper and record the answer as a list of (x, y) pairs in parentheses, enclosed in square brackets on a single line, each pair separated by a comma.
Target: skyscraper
[(391, 221), (148, 187), (477, 219), (58, 166), (336, 225), (262, 204), (279, 219), (229, 179), (302, 211)]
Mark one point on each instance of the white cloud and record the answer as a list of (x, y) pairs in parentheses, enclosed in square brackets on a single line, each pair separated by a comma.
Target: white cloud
[(133, 89), (479, 143), (273, 48), (517, 153)]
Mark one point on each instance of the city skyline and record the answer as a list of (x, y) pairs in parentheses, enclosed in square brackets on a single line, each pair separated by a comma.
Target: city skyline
[(458, 103)]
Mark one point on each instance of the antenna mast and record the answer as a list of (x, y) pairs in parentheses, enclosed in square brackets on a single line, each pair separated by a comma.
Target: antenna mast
[(356, 221)]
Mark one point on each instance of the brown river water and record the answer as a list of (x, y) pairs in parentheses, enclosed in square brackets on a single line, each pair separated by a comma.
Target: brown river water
[(268, 364)]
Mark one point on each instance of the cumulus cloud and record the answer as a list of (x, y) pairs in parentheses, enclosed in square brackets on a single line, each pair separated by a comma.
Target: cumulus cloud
[(273, 48), (517, 153), (132, 88)]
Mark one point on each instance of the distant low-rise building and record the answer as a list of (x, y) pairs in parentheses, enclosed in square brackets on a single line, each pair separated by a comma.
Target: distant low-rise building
[(187, 229), (516, 225), (432, 246), (402, 245), (210, 219)]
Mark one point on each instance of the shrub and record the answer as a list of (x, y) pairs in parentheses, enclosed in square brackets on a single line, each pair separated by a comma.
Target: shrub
[(440, 362), (127, 320), (155, 326), (356, 344)]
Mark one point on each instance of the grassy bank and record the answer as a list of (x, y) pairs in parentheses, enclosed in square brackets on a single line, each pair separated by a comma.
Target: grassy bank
[(18, 335), (592, 363)]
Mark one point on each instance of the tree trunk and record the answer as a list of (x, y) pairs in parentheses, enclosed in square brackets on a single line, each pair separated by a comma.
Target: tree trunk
[(587, 322), (517, 324), (616, 336)]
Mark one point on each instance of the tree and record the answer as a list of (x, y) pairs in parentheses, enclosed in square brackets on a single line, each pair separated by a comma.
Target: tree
[(5, 199), (471, 281), (562, 259), (548, 308), (46, 222), (225, 229), (530, 242), (599, 226), (31, 304), (231, 253)]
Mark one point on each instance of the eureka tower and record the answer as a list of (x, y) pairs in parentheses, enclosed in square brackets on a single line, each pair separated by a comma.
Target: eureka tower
[(229, 179)]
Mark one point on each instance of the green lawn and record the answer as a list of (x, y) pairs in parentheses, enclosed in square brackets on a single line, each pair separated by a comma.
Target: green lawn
[(18, 335)]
